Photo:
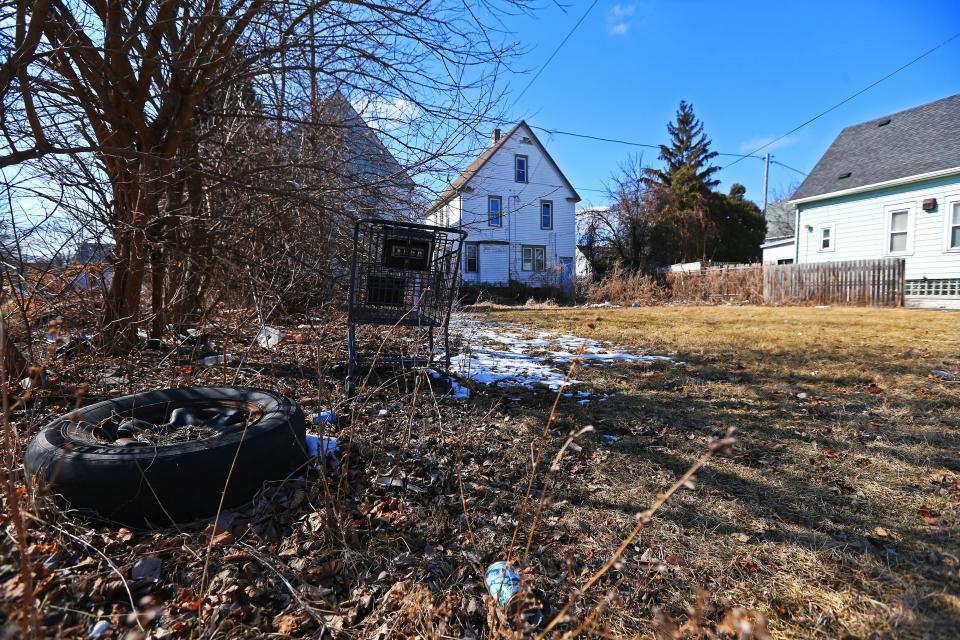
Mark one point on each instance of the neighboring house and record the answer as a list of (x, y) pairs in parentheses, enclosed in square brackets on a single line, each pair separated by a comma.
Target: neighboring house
[(890, 187), (778, 246), (518, 209), (91, 265), (368, 179)]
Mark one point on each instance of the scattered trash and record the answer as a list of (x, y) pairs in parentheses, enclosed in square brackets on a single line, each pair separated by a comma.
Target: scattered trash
[(329, 450), (146, 569), (803, 395), (324, 417), (946, 376), (212, 361), (610, 438), (512, 596), (99, 629), (383, 413), (269, 337)]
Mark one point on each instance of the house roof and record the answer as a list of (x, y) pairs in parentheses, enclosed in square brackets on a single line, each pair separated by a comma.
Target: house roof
[(461, 181), (914, 142), (780, 217)]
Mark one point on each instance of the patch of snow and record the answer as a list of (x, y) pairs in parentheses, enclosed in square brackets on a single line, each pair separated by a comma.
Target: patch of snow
[(508, 354)]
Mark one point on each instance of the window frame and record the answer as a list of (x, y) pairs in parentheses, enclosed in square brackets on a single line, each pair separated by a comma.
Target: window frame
[(499, 201), (550, 204), (832, 228), (526, 168), (951, 206), (888, 211), (533, 248), (467, 246)]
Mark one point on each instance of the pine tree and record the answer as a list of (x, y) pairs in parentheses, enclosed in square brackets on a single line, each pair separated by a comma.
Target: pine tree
[(687, 157)]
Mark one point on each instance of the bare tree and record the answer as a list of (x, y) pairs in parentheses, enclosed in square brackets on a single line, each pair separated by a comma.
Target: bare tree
[(199, 135)]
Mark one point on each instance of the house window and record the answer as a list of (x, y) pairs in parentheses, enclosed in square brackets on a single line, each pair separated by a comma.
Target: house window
[(534, 258), (785, 261), (495, 211), (898, 231), (473, 257), (546, 214), (953, 227), (826, 238), (520, 168)]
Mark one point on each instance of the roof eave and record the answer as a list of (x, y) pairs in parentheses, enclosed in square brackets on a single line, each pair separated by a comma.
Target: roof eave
[(930, 175)]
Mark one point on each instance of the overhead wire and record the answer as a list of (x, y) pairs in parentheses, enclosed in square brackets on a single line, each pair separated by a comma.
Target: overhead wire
[(850, 97)]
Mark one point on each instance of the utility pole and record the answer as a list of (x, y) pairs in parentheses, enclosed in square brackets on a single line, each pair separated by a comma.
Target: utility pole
[(766, 172)]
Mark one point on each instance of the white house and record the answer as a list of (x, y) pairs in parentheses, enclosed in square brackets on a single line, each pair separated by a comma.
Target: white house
[(519, 211), (890, 187)]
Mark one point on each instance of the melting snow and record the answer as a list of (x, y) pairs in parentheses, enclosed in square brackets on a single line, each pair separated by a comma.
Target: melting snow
[(514, 355)]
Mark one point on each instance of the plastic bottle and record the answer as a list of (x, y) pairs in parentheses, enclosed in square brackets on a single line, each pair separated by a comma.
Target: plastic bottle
[(513, 597)]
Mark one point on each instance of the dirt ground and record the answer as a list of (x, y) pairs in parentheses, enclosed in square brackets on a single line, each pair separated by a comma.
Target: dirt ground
[(835, 515)]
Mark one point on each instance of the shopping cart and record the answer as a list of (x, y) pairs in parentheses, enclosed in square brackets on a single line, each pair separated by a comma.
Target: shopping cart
[(403, 274)]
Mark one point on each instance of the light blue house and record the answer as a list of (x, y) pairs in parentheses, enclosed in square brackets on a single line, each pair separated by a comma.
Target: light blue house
[(890, 187)]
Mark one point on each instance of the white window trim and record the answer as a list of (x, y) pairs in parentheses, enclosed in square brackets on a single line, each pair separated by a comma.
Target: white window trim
[(910, 208), (950, 202), (833, 238)]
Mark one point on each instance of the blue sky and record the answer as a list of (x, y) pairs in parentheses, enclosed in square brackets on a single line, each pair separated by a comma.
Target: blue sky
[(753, 71)]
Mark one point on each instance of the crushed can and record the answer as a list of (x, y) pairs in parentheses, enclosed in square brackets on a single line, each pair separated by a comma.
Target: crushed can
[(516, 602)]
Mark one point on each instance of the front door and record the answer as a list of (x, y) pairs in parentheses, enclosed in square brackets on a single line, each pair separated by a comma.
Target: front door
[(566, 274)]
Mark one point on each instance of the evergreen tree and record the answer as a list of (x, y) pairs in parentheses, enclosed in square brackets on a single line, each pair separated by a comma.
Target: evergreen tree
[(687, 157), (740, 227)]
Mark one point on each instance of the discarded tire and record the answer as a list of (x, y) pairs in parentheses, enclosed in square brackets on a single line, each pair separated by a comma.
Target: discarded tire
[(178, 471)]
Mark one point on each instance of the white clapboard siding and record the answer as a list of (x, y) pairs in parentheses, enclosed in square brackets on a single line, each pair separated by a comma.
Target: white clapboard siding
[(500, 263)]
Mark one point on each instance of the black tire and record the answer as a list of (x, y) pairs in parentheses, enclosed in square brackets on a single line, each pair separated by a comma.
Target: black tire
[(179, 482)]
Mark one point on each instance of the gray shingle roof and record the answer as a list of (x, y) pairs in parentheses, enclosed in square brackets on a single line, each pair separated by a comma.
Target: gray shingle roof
[(915, 141)]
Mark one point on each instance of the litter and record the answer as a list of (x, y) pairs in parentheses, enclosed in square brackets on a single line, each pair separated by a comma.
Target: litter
[(512, 596), (383, 413), (99, 629), (324, 417), (329, 451), (212, 361), (610, 438), (269, 337)]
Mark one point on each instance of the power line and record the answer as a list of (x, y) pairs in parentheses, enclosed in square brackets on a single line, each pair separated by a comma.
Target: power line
[(628, 142), (851, 97), (555, 52), (786, 166)]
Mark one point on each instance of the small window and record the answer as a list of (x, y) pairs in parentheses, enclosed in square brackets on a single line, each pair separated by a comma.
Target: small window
[(520, 169), (473, 257), (826, 238), (495, 211), (899, 230), (546, 214), (785, 261), (534, 258), (953, 228)]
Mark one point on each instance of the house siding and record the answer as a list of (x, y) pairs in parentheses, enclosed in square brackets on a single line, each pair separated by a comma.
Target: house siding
[(500, 263), (860, 228)]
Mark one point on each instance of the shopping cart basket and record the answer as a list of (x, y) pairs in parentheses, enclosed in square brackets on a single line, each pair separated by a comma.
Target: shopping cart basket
[(403, 274)]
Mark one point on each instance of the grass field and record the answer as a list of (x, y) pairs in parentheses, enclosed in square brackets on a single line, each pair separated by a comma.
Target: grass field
[(838, 512)]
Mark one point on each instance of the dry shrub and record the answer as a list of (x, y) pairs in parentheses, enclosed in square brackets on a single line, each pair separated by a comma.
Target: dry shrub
[(738, 284), (626, 287)]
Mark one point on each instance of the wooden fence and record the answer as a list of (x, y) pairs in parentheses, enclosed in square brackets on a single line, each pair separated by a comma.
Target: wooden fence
[(877, 283)]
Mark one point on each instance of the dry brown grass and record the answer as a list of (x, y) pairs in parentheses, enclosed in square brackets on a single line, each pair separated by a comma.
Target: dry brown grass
[(837, 515)]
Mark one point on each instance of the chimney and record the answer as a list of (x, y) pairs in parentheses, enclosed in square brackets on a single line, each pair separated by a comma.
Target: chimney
[(496, 135)]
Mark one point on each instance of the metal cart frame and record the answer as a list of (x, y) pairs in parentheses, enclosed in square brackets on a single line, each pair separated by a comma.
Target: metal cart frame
[(402, 274)]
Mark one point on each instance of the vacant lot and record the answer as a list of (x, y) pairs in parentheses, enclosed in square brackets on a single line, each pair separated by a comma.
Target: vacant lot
[(838, 513)]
